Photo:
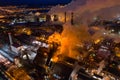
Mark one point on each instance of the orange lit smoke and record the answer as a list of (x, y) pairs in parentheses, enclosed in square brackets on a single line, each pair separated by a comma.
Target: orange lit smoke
[(71, 40)]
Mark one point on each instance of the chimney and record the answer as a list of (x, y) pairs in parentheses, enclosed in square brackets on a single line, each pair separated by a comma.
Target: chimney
[(10, 38), (72, 14), (65, 16)]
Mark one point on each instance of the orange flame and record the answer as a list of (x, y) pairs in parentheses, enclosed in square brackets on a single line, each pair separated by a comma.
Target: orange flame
[(70, 40)]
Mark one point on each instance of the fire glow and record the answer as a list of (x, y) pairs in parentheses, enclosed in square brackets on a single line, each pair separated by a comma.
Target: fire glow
[(70, 40)]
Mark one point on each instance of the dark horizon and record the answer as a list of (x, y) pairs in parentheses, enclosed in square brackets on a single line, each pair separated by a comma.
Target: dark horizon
[(32, 2)]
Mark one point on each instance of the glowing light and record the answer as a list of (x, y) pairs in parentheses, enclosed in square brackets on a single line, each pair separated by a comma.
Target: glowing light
[(41, 44), (24, 30), (54, 59), (56, 37), (97, 41)]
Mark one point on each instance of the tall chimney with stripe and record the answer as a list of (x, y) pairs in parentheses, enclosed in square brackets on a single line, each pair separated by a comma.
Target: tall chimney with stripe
[(10, 38)]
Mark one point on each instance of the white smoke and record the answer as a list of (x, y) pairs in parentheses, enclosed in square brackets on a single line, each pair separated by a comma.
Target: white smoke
[(85, 10)]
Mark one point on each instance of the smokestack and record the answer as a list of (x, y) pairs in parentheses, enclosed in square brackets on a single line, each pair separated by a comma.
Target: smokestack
[(65, 16), (10, 38), (72, 14)]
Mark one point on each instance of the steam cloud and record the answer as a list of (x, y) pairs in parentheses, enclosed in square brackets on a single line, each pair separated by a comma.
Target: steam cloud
[(84, 11)]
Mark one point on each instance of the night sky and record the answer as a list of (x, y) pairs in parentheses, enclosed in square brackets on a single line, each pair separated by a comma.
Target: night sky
[(32, 2)]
